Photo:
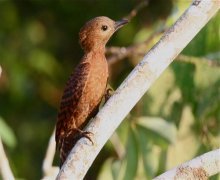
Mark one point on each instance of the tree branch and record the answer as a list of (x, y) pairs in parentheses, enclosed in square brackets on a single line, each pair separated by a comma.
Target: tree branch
[(119, 53), (200, 167), (4, 164), (192, 59), (118, 146), (134, 11), (135, 85), (49, 171)]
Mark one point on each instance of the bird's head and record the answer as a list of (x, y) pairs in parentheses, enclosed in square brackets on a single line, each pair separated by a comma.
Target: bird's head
[(96, 32)]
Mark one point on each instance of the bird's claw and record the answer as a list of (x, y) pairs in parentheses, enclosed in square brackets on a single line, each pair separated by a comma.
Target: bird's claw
[(86, 134), (109, 92)]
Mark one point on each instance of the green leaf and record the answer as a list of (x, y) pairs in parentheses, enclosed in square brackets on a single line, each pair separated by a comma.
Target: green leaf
[(112, 169), (131, 156), (7, 134), (206, 41), (210, 102), (162, 128), (149, 157), (118, 169), (105, 172)]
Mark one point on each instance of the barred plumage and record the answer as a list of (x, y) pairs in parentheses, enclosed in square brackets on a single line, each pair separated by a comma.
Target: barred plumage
[(86, 86)]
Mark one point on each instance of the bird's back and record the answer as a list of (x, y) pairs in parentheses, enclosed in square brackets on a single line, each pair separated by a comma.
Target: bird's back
[(86, 86), (81, 98)]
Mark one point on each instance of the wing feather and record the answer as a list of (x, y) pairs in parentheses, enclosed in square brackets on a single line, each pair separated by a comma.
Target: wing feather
[(71, 96)]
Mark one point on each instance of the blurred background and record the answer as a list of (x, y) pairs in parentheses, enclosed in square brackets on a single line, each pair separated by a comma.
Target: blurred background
[(176, 120)]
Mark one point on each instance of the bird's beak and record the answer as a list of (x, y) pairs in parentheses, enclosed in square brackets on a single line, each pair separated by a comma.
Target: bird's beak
[(119, 24)]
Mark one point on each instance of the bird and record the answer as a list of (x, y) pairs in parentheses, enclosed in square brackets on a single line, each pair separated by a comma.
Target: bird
[(86, 86)]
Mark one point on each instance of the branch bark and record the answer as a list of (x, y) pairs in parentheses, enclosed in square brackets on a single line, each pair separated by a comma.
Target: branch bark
[(135, 85), (119, 53), (134, 11), (50, 171), (191, 59), (4, 164), (200, 167)]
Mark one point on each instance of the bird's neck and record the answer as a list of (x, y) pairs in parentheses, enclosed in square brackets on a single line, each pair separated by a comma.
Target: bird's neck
[(94, 56), (96, 51), (94, 48)]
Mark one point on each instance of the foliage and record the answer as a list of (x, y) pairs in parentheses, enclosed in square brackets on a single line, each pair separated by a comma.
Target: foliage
[(7, 134), (175, 121)]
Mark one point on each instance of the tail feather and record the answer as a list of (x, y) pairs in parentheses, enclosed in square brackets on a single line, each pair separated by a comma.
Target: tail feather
[(67, 144)]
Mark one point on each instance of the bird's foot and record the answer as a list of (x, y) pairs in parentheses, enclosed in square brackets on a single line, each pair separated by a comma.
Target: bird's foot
[(85, 134), (108, 93)]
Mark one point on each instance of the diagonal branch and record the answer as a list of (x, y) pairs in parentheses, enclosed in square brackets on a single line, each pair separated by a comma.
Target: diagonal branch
[(137, 8), (5, 169), (191, 59), (135, 85), (119, 53), (203, 166), (49, 171)]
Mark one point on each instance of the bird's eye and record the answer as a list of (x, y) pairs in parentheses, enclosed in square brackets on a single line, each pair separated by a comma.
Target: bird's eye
[(104, 27)]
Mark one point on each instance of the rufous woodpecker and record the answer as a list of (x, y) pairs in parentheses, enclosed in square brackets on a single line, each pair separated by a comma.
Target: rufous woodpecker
[(86, 85)]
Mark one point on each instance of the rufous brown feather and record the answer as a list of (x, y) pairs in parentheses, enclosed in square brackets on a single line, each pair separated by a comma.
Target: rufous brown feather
[(86, 85)]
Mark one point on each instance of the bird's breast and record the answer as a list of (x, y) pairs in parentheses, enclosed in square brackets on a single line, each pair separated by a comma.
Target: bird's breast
[(97, 81)]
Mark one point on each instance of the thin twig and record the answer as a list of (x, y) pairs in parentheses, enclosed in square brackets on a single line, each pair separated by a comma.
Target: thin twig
[(118, 146), (116, 54), (4, 164), (135, 86), (49, 171), (119, 53), (137, 8), (200, 167), (193, 59)]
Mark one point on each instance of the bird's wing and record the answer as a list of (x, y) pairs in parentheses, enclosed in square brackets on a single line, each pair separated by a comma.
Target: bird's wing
[(71, 96)]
